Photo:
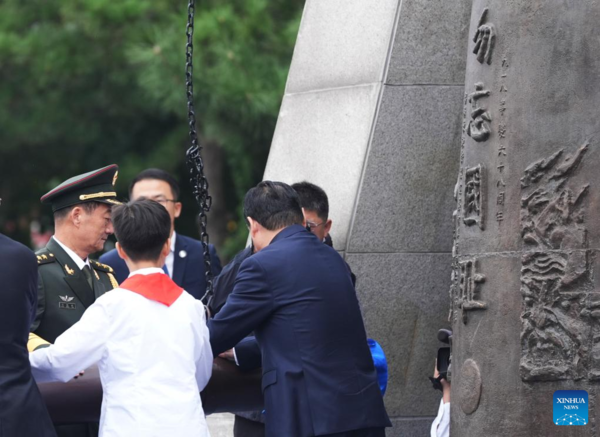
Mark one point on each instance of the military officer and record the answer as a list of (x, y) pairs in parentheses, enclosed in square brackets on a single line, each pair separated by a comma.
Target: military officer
[(69, 282)]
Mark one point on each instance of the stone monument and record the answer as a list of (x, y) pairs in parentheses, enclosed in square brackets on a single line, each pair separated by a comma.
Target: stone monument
[(525, 295)]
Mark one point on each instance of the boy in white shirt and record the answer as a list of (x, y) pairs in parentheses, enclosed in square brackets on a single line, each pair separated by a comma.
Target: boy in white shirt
[(148, 337)]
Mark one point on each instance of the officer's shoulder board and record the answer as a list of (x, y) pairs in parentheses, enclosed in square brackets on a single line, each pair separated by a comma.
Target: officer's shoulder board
[(101, 267), (106, 269), (44, 256)]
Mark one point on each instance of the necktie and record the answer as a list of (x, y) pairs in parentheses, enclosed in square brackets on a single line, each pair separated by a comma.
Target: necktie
[(87, 272)]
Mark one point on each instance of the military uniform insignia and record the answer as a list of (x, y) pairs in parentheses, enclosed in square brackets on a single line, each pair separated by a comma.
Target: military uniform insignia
[(108, 270), (69, 270), (96, 273), (114, 181), (113, 280), (66, 303), (45, 258)]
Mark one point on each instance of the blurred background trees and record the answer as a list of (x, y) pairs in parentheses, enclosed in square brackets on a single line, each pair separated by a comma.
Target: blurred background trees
[(87, 83)]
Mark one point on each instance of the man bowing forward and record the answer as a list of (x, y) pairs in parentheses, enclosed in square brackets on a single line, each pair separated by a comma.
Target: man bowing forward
[(296, 294)]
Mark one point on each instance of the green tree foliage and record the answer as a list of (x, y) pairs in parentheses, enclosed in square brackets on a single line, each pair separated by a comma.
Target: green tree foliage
[(85, 83)]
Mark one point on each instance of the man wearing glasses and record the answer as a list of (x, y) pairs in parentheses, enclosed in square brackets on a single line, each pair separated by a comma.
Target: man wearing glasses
[(185, 262)]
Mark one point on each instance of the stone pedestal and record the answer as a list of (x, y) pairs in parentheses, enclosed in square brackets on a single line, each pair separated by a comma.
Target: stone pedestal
[(525, 294)]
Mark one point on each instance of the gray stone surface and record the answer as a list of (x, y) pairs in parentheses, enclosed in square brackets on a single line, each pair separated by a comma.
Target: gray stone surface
[(341, 43), (322, 137), (404, 299), (410, 427), (406, 199), (539, 332), (430, 42), (220, 425)]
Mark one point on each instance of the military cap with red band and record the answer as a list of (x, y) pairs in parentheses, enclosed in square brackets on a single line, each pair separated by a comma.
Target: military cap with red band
[(94, 186)]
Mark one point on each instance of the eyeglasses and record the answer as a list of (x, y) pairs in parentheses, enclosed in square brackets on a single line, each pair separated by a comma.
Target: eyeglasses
[(311, 225), (164, 201)]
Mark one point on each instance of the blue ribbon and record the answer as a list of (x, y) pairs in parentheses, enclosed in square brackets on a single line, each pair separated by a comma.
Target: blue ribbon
[(380, 364)]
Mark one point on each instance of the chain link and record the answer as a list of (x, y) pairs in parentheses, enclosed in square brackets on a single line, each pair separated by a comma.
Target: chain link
[(194, 158)]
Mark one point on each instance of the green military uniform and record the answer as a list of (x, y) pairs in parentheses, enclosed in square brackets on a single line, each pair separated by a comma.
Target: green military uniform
[(64, 289), (64, 292)]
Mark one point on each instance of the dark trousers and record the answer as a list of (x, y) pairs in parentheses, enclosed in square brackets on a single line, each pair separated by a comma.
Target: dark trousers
[(78, 430), (243, 427), (366, 432)]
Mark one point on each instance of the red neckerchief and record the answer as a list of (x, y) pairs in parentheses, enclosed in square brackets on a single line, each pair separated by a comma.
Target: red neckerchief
[(155, 286)]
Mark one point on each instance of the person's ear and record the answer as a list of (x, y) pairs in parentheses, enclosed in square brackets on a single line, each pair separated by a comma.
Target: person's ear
[(327, 226), (304, 217), (254, 226), (166, 248), (75, 216), (178, 207), (121, 252)]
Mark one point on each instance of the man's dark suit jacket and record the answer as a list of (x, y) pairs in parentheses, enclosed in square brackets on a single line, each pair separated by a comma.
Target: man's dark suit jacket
[(318, 375), (22, 410), (188, 270)]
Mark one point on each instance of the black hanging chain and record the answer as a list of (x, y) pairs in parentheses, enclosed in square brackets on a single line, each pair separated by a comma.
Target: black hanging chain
[(194, 158)]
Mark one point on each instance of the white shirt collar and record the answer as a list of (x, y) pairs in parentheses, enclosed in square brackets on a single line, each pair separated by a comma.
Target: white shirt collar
[(146, 271), (76, 258), (173, 237)]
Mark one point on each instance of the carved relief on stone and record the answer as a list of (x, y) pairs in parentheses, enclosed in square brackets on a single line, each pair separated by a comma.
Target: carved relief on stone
[(473, 197), (479, 127), (484, 39), (560, 309), (469, 390), (466, 284)]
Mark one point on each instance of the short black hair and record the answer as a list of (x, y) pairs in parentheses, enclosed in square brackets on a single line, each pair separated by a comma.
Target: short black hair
[(142, 227), (88, 207), (274, 205), (161, 175), (313, 198)]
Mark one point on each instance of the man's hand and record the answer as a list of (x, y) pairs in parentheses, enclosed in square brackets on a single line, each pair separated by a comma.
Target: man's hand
[(228, 355)]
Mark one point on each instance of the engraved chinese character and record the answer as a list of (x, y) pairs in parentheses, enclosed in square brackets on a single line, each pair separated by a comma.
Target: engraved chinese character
[(500, 183), (473, 196), (484, 39), (501, 150), (470, 282), (500, 216), (500, 198), (503, 88), (502, 130), (479, 128), (500, 167)]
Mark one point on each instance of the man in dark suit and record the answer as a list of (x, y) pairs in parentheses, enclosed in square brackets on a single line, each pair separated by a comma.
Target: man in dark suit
[(185, 262), (296, 294), (22, 410)]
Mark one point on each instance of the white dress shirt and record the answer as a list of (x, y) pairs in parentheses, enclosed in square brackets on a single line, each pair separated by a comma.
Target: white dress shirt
[(80, 263), (441, 425), (170, 260), (153, 360)]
